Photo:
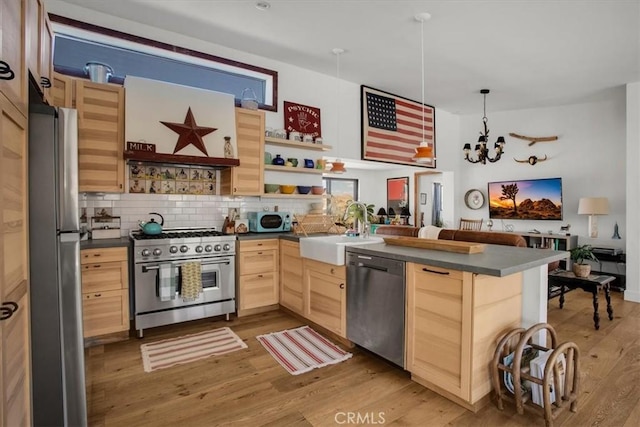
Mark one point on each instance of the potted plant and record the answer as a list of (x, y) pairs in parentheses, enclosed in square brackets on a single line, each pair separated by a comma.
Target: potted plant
[(578, 256), (355, 213)]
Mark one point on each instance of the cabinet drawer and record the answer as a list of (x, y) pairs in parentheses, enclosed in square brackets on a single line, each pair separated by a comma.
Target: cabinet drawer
[(337, 271), (103, 255), (257, 245), (104, 276), (105, 312), (262, 261), (258, 290), (435, 272)]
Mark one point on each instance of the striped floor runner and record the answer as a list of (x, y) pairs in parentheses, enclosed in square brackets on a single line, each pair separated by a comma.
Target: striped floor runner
[(175, 351), (302, 349)]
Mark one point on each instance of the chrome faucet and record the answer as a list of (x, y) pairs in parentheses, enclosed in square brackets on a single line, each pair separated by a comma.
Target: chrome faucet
[(363, 227)]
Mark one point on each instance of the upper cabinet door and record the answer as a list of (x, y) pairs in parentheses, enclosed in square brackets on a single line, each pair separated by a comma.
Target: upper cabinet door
[(39, 44), (12, 53), (100, 137)]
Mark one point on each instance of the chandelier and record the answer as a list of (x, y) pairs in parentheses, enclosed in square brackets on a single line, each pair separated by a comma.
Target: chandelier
[(481, 147)]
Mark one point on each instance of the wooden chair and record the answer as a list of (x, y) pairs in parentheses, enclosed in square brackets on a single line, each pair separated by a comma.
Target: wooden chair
[(470, 224)]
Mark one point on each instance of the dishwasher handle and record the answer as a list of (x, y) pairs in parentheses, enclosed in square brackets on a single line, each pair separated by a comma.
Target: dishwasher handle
[(373, 267)]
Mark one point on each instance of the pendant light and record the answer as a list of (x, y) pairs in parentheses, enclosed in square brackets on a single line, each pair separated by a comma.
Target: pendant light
[(424, 152), (338, 166)]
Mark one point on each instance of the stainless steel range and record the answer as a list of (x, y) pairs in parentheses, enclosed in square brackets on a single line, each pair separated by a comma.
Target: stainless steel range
[(158, 261)]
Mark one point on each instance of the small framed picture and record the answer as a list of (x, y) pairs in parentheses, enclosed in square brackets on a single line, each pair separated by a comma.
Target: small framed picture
[(423, 198)]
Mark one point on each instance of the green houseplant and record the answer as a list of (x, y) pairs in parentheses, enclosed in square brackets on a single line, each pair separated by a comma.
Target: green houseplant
[(578, 256)]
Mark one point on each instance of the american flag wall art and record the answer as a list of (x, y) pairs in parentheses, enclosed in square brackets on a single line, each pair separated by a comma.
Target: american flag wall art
[(392, 128)]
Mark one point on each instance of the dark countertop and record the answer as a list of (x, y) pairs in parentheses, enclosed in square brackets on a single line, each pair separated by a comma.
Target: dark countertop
[(105, 243), (284, 235), (496, 260)]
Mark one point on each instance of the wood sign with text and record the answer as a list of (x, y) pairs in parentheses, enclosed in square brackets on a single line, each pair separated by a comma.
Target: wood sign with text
[(302, 118)]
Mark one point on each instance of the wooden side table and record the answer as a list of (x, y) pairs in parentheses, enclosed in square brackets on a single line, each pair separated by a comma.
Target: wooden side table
[(592, 284)]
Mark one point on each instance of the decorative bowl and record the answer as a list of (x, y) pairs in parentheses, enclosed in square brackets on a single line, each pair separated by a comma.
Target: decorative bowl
[(287, 189), (304, 189), (317, 189), (271, 188)]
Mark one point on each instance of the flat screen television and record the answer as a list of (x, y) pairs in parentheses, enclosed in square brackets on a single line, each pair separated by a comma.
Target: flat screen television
[(537, 199)]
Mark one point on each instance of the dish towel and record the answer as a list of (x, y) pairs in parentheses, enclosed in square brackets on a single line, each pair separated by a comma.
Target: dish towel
[(167, 282), (429, 232), (191, 284)]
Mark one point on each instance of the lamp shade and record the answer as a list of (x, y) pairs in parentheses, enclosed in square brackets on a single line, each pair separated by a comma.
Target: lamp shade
[(593, 206), (382, 212)]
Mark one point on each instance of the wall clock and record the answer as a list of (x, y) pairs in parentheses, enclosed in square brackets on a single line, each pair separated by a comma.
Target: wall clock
[(474, 199)]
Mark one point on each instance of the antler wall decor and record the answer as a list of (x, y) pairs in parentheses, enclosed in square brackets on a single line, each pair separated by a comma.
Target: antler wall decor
[(533, 139), (532, 160)]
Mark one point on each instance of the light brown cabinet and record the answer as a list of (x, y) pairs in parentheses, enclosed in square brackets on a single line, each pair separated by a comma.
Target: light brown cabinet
[(258, 275), (454, 319), (325, 292), (13, 53), (100, 136), (105, 291), (247, 178), (62, 91), (39, 46), (15, 400), (291, 277)]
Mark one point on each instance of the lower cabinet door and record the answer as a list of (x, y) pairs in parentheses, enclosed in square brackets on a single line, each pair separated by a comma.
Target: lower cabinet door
[(105, 312), (326, 303), (258, 290), (291, 289)]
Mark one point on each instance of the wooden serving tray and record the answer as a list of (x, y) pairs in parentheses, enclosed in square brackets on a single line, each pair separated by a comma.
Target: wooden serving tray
[(437, 245)]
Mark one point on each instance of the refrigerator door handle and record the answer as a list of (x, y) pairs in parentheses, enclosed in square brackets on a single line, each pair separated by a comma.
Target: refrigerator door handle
[(67, 146)]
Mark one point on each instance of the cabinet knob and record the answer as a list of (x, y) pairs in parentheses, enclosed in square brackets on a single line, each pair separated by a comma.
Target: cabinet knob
[(97, 265), (341, 285), (6, 73), (333, 271), (98, 295), (7, 309)]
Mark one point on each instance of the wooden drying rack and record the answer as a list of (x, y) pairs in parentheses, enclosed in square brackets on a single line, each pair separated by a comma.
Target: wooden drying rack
[(316, 223)]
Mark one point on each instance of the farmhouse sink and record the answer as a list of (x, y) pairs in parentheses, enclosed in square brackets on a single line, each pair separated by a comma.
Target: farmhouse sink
[(330, 249)]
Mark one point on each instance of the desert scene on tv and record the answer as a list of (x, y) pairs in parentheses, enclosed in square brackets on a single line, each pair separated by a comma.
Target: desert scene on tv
[(539, 199)]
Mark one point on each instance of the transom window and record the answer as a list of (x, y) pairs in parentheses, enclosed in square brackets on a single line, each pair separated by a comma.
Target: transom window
[(77, 43)]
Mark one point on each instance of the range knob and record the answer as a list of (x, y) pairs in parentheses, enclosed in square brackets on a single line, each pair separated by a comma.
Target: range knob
[(226, 247), (184, 248), (217, 248), (157, 252), (208, 248), (173, 249), (146, 252), (199, 249)]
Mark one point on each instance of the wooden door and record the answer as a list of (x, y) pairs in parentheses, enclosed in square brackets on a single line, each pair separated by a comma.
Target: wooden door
[(15, 403), (326, 297), (100, 137), (291, 295), (62, 91), (247, 179), (12, 52)]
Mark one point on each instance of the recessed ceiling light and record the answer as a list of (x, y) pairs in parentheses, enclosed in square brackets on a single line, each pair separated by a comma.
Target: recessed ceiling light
[(262, 5)]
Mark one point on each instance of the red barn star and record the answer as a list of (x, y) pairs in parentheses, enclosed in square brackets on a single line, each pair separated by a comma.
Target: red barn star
[(190, 133)]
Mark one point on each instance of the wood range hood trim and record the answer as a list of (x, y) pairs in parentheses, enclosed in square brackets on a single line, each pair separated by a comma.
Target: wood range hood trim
[(177, 159)]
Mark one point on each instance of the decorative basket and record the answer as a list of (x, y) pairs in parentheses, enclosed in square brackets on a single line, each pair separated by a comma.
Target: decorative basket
[(249, 99)]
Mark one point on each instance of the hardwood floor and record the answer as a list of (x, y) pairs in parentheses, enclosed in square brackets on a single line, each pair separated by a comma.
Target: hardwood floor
[(248, 387)]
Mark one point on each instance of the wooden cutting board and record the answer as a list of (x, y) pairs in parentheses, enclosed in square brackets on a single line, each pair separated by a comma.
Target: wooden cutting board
[(437, 245)]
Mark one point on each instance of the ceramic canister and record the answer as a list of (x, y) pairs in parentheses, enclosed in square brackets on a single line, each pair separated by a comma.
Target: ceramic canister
[(267, 158)]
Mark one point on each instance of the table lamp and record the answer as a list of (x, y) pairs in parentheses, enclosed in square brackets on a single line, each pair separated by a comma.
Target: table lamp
[(593, 206)]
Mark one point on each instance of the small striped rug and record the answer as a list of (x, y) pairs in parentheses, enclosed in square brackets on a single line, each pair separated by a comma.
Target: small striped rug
[(176, 351), (302, 349)]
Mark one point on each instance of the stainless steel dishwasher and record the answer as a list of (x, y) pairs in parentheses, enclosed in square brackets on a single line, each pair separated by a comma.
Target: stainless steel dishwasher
[(376, 304)]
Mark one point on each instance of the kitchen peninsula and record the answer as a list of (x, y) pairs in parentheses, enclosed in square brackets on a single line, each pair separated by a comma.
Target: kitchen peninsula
[(458, 306)]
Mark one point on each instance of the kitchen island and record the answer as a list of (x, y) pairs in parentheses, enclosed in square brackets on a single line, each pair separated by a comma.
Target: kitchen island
[(459, 305)]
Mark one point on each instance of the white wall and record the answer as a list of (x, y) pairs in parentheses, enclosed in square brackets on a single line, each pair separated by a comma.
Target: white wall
[(588, 156), (633, 192)]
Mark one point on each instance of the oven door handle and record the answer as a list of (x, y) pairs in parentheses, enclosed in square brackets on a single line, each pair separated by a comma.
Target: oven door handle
[(225, 261)]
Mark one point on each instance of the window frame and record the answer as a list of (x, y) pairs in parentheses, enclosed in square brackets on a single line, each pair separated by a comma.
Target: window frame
[(172, 52)]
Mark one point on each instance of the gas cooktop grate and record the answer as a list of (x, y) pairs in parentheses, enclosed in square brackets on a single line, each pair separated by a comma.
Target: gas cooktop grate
[(177, 234)]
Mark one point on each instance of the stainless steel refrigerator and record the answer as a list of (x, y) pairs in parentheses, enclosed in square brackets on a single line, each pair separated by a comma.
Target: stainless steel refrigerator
[(57, 348)]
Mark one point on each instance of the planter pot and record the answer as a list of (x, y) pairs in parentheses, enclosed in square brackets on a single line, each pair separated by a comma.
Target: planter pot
[(581, 270)]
